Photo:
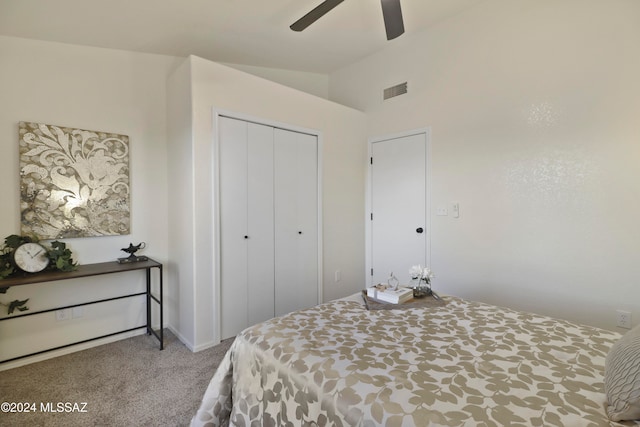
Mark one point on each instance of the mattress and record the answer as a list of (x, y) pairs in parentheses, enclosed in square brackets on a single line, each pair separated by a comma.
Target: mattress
[(462, 363)]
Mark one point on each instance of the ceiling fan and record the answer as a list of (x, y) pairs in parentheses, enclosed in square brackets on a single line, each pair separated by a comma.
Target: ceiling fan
[(391, 12)]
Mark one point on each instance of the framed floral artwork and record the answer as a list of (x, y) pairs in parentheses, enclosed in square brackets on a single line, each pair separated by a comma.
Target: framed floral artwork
[(73, 182)]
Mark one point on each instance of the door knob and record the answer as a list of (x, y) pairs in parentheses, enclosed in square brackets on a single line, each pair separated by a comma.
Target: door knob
[(419, 230)]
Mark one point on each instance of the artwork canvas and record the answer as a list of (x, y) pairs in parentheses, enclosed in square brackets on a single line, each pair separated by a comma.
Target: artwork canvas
[(73, 182)]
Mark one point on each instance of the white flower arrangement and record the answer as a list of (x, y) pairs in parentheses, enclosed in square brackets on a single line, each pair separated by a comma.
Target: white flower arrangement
[(425, 274)]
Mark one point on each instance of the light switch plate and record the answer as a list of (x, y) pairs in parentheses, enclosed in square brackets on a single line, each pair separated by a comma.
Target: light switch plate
[(455, 208)]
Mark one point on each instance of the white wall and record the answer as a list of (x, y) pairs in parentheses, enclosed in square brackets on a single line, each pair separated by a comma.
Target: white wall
[(126, 92), (313, 83), (97, 89), (534, 107), (180, 299), (343, 155)]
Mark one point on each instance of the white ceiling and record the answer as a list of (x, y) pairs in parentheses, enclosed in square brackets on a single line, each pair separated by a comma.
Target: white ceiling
[(250, 32)]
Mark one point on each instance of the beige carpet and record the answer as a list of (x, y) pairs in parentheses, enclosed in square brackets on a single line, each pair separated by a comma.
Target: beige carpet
[(125, 383)]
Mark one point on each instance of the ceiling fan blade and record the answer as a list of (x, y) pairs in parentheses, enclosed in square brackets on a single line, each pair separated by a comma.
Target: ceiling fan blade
[(317, 13), (392, 14)]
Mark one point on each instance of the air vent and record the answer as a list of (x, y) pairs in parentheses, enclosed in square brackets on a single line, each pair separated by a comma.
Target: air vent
[(396, 90)]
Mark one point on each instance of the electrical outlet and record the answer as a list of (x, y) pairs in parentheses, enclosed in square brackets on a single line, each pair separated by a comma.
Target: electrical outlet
[(338, 276), (623, 319), (63, 314)]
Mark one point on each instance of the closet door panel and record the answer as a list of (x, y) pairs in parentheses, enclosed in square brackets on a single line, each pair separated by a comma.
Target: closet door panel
[(260, 267), (296, 221), (287, 284), (233, 174), (307, 200), (269, 223)]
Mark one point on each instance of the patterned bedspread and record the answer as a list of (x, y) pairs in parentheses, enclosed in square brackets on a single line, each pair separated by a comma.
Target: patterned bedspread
[(461, 364)]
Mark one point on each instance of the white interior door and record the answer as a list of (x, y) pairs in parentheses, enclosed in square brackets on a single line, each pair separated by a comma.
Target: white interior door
[(399, 199), (296, 221), (233, 149), (260, 232), (246, 218), (269, 222)]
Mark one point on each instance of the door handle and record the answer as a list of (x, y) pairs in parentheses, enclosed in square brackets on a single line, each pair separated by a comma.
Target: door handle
[(419, 230)]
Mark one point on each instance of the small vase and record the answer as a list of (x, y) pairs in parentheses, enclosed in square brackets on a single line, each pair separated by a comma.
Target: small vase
[(422, 289)]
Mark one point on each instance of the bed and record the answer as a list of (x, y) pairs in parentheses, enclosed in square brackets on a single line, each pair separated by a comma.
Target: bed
[(451, 363)]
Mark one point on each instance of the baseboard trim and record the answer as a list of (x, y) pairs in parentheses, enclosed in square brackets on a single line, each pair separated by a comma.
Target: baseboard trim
[(189, 344), (68, 350)]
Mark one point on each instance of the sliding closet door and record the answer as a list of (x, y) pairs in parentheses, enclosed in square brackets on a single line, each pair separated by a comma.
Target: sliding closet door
[(246, 224), (296, 220)]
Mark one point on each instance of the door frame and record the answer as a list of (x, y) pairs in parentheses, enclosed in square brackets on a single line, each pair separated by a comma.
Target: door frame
[(426, 131), (217, 113)]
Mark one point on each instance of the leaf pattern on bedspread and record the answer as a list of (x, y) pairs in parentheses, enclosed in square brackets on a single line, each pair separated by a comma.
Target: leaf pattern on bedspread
[(461, 364)]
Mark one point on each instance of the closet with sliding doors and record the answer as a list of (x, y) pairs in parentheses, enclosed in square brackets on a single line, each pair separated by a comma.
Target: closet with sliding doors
[(268, 206)]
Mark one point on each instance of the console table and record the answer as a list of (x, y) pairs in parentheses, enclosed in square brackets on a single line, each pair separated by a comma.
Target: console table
[(88, 270)]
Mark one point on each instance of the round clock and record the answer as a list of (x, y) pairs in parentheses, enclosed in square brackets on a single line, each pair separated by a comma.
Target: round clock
[(31, 257)]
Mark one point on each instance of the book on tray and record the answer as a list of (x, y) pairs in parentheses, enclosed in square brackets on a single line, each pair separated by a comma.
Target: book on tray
[(385, 293)]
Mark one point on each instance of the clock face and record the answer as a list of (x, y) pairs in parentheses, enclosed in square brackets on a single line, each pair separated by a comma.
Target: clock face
[(31, 257)]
